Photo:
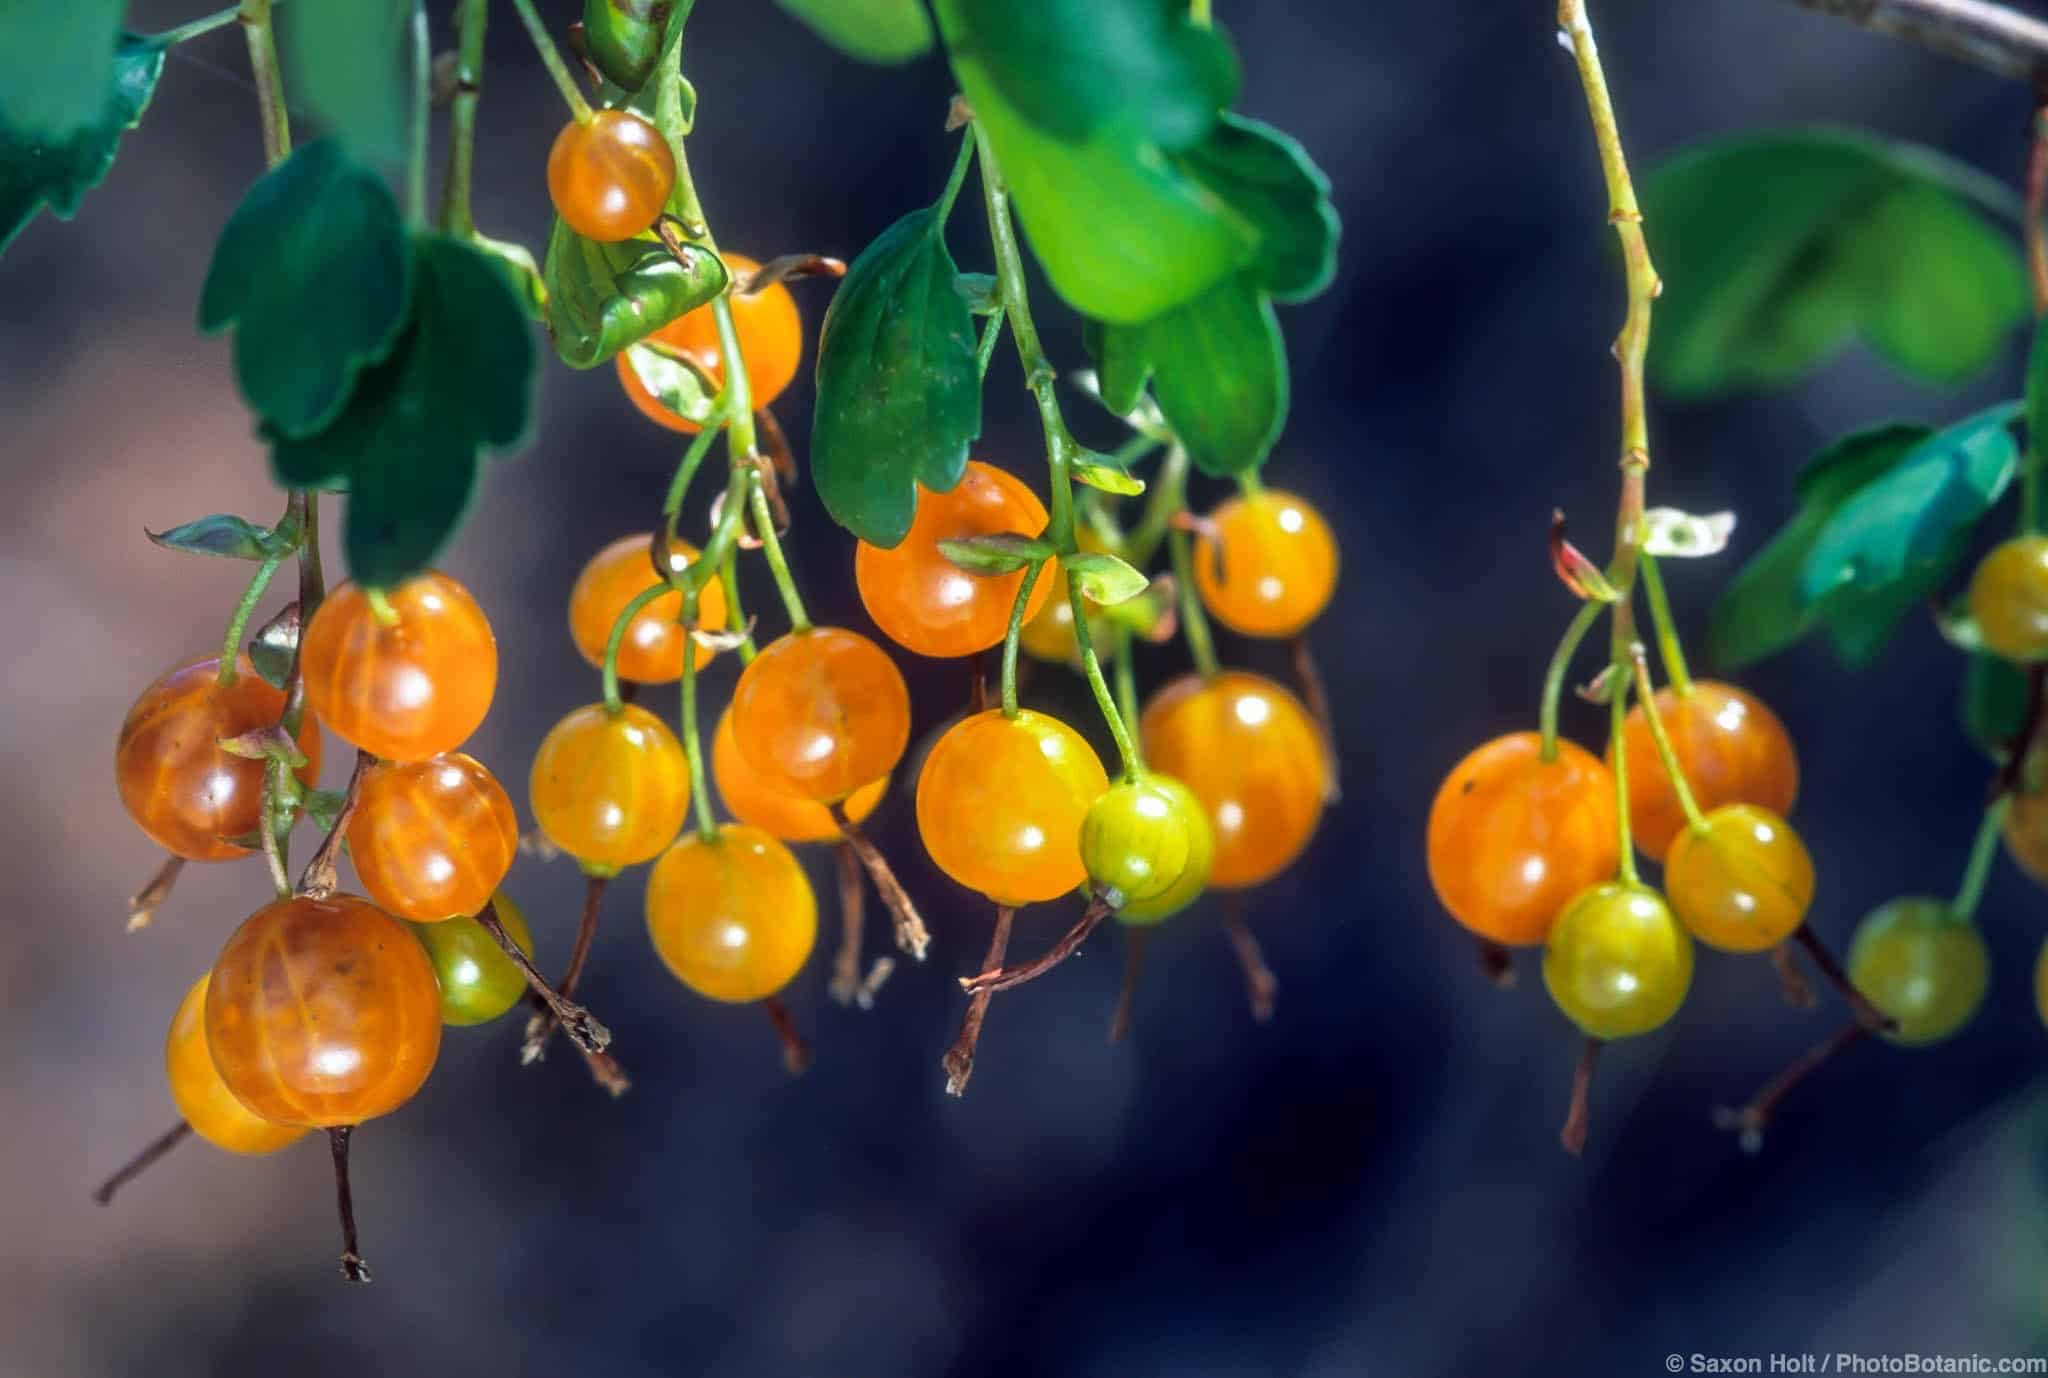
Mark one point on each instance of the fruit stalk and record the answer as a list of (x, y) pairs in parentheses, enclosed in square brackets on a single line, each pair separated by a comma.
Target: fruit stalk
[(254, 16), (551, 58), (1991, 36)]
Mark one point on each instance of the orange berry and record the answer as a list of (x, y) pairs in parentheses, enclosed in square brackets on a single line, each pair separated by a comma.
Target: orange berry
[(203, 1099), (734, 918), (1278, 564), (652, 651), (610, 177), (1000, 804), (780, 815), (820, 713), (771, 335), (433, 839), (415, 689), (1733, 751), (610, 789)]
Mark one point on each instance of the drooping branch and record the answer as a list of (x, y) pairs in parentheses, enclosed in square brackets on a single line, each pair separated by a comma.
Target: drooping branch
[(1994, 37)]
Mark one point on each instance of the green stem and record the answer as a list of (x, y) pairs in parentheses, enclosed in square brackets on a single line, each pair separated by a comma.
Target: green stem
[(738, 390), (1560, 664), (771, 549), (693, 459), (1015, 632), (614, 702), (305, 504), (1248, 483), (735, 615), (1646, 696), (1126, 676), (956, 180), (238, 625), (1668, 647), (1194, 623), (193, 28), (693, 747), (1983, 851), (1198, 11), (1623, 676), (1126, 745), (991, 336), (1163, 503), (422, 103), (456, 216), (551, 58), (254, 16)]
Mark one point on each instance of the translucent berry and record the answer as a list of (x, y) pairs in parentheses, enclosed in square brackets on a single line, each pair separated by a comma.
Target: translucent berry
[(432, 839), (779, 815), (771, 335), (190, 796), (821, 713), (2009, 599), (1000, 803), (652, 651), (1744, 883), (1921, 965), (610, 177), (1733, 751), (611, 789), (203, 1098), (416, 688), (478, 981), (1276, 568), (1617, 961), (734, 919), (1142, 837)]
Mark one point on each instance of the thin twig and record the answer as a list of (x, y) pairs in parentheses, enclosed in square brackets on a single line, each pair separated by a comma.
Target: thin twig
[(1136, 940), (1751, 1120), (144, 903), (853, 907), (583, 1029), (318, 880), (992, 979), (795, 1056), (882, 968), (959, 1060), (1317, 700), (1990, 36), (560, 1009), (1867, 1014), (911, 934), (1578, 1117), (140, 1163), (352, 1265), (1792, 982), (1260, 986)]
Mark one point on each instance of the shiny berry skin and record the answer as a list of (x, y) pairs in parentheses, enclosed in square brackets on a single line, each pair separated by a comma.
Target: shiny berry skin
[(1000, 803), (610, 178), (1922, 966), (178, 785), (652, 650), (779, 815), (409, 691), (610, 790), (323, 1012), (478, 981), (1617, 961), (203, 1098), (1251, 753), (924, 602), (1141, 838), (2009, 599), (733, 919), (432, 839), (1514, 838), (1278, 566), (820, 713), (771, 334), (1742, 885), (1733, 751), (2026, 832), (1163, 906)]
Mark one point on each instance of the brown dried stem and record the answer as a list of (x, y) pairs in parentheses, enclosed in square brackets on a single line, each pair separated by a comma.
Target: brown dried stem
[(141, 1162), (1136, 940), (1867, 1014), (144, 903), (795, 1056), (353, 1267), (1496, 963), (1578, 1117), (993, 979), (1792, 982), (1751, 1120), (583, 1029), (911, 934), (1260, 985), (318, 880), (853, 906), (1317, 700), (959, 1060)]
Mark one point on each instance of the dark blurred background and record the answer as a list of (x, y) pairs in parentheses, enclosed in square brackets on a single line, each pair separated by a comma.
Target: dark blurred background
[(1370, 1184)]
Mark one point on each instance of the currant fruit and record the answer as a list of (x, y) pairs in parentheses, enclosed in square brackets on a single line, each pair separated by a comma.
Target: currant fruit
[(610, 789), (1142, 838), (779, 815), (432, 839), (1741, 884), (1921, 965), (1513, 838), (1000, 803), (478, 981), (771, 335), (1732, 749), (1170, 901), (1250, 752), (1617, 962), (652, 651), (610, 177), (1276, 568), (734, 919), (927, 604), (203, 1098), (405, 692), (323, 1013), (820, 713), (190, 796), (2009, 599)]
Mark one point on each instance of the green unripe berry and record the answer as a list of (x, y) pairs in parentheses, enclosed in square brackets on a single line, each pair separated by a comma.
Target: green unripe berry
[(1617, 961), (1143, 838), (1920, 964), (478, 981)]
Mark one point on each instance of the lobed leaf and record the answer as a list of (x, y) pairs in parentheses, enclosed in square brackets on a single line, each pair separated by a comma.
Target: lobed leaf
[(56, 170), (347, 63), (54, 67), (1219, 374), (1268, 179)]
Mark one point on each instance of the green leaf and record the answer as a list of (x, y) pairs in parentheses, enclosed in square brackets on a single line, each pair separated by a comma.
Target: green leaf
[(625, 38), (267, 743), (1102, 472), (517, 260), (1761, 611), (1122, 231), (1104, 578), (406, 448), (603, 297), (1268, 179), (323, 807), (1777, 248), (1994, 703), (313, 271), (899, 393), (229, 536), (980, 291), (274, 649), (1219, 370), (887, 31), (54, 65), (674, 381), (57, 171), (346, 62), (1909, 519), (1001, 552)]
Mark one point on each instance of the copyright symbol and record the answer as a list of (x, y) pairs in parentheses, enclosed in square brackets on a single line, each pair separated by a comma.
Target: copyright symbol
[(1674, 1363)]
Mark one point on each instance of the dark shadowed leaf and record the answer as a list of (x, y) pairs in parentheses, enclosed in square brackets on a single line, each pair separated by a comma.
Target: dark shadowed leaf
[(347, 64), (54, 60), (1219, 374), (1268, 179), (38, 170), (230, 536), (1994, 703)]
